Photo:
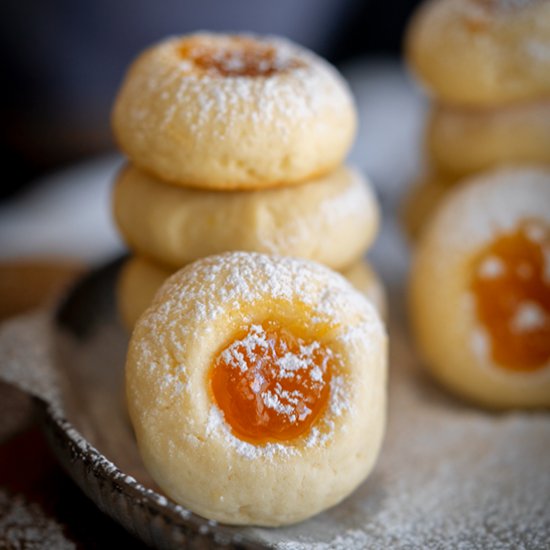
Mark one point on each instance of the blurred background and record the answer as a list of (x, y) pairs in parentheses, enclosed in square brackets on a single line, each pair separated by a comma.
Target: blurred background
[(64, 60)]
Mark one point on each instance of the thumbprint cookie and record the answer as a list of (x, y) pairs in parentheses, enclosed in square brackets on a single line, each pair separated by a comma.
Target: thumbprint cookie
[(223, 111), (480, 289), (256, 386), (482, 52)]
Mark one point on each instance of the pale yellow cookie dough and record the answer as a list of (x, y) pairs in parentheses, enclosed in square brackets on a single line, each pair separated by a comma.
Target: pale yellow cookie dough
[(482, 52), (332, 220), (219, 111), (462, 141), (458, 348), (140, 279), (186, 442)]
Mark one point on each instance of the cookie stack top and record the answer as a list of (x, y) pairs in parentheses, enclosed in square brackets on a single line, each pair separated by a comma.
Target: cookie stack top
[(215, 111)]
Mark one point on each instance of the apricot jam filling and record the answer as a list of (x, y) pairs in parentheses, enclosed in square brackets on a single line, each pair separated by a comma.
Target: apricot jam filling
[(511, 288), (239, 57), (271, 384)]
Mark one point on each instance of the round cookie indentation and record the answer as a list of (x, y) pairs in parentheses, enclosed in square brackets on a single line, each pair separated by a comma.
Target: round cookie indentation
[(241, 56), (511, 288), (271, 384)]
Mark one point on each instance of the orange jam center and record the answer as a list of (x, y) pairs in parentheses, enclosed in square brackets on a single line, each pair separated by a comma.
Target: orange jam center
[(270, 384), (238, 57), (511, 287)]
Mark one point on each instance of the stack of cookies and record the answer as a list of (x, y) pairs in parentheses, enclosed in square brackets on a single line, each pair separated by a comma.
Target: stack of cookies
[(486, 63), (237, 143)]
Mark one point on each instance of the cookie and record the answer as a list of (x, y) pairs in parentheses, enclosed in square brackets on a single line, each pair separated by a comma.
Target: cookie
[(256, 386), (480, 289), (482, 52), (332, 220), (219, 111)]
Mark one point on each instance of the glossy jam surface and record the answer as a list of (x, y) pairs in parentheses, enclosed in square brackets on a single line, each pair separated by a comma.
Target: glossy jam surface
[(238, 57), (511, 288), (271, 384)]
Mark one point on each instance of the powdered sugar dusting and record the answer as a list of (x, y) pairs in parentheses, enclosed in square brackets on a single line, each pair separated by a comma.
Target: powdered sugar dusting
[(250, 278), (270, 361), (304, 86), (489, 204), (235, 56), (529, 316), (538, 50), (217, 426), (318, 436), (491, 267), (480, 343), (535, 232), (25, 525)]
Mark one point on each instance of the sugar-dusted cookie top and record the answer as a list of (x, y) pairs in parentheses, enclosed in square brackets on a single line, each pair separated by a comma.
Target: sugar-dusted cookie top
[(233, 112)]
